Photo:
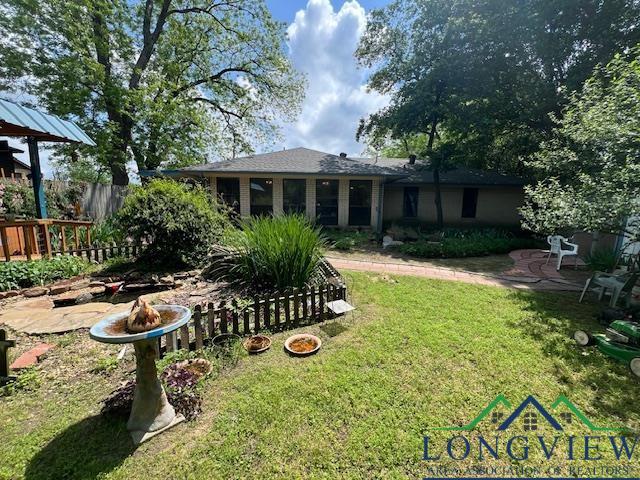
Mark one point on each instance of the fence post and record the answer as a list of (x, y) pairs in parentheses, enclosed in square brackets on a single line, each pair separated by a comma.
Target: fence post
[(287, 307), (305, 307), (63, 238), (313, 302), (197, 324), (76, 236), (321, 295), (211, 320), (296, 306), (184, 337), (276, 310), (234, 314), (267, 312), (256, 314), (245, 321), (171, 340), (223, 317)]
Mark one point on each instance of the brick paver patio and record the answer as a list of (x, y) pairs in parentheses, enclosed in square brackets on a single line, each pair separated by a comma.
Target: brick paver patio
[(528, 272)]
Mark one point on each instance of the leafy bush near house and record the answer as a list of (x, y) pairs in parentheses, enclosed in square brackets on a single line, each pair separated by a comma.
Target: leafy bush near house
[(270, 253), (455, 243), (602, 260), (14, 275), (180, 222), (346, 239)]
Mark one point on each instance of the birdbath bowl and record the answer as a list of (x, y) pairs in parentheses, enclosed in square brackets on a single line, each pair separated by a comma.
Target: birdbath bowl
[(151, 413)]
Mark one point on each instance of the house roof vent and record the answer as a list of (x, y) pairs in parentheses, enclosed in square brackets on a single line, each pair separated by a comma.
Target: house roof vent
[(412, 159), (343, 155)]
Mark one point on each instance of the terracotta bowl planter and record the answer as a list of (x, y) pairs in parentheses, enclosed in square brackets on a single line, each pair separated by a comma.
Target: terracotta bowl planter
[(225, 339), (200, 367), (257, 344), (302, 344)]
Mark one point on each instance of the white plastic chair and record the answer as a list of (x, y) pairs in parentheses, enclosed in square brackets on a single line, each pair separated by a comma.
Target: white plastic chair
[(617, 285), (558, 244)]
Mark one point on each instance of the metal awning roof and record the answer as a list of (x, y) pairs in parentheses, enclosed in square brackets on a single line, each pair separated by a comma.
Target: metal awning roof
[(19, 121)]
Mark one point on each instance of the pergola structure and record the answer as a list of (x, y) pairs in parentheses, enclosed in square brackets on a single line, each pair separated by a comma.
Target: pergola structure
[(19, 121)]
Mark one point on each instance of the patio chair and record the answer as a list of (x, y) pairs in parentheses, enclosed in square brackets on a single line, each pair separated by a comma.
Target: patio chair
[(619, 286), (557, 244)]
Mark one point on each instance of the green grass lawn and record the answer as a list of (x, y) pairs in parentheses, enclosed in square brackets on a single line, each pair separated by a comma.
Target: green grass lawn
[(418, 354)]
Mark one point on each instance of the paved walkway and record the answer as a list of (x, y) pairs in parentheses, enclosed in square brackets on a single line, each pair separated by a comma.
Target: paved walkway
[(37, 316), (520, 276), (533, 263)]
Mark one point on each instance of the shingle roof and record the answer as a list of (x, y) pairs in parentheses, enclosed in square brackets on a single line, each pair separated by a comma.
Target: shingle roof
[(418, 173), (314, 162), (295, 161)]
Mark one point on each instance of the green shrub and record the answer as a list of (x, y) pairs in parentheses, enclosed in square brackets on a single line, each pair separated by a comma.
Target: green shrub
[(107, 232), (346, 239), (14, 275), (180, 222), (456, 243), (602, 260), (272, 253), (16, 198)]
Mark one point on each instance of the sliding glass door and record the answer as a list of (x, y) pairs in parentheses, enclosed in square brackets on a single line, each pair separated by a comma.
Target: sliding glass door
[(327, 202), (360, 202), (294, 195), (229, 191), (261, 196)]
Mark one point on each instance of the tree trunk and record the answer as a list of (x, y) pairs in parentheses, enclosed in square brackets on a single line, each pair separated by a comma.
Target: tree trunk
[(436, 172), (119, 174), (438, 199)]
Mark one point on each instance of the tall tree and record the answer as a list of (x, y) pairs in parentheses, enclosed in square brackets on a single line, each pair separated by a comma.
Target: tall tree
[(500, 68), (591, 163), (161, 82)]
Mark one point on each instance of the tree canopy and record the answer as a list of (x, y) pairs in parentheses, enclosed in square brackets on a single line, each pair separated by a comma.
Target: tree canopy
[(591, 163), (160, 82), (488, 72)]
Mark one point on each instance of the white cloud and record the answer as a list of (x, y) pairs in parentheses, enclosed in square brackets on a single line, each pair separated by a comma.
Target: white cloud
[(322, 43)]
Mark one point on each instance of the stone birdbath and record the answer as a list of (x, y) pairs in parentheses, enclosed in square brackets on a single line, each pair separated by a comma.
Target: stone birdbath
[(151, 413)]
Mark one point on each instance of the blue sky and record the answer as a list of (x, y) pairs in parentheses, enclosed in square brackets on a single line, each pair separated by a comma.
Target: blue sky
[(285, 10), (323, 35)]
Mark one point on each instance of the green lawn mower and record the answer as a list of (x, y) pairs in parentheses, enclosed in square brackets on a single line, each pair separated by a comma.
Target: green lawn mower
[(621, 341)]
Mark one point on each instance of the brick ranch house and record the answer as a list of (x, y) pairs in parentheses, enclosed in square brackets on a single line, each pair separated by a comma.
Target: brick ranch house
[(343, 191)]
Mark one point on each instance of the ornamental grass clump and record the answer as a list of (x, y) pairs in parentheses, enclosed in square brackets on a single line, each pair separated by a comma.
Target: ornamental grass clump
[(271, 253)]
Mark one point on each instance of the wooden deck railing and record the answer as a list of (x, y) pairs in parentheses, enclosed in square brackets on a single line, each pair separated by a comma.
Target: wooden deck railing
[(28, 239)]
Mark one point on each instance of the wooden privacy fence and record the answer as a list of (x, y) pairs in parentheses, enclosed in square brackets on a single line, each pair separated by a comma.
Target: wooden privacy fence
[(281, 311), (101, 254)]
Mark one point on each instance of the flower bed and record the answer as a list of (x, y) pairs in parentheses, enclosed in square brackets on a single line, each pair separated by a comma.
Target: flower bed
[(279, 311)]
